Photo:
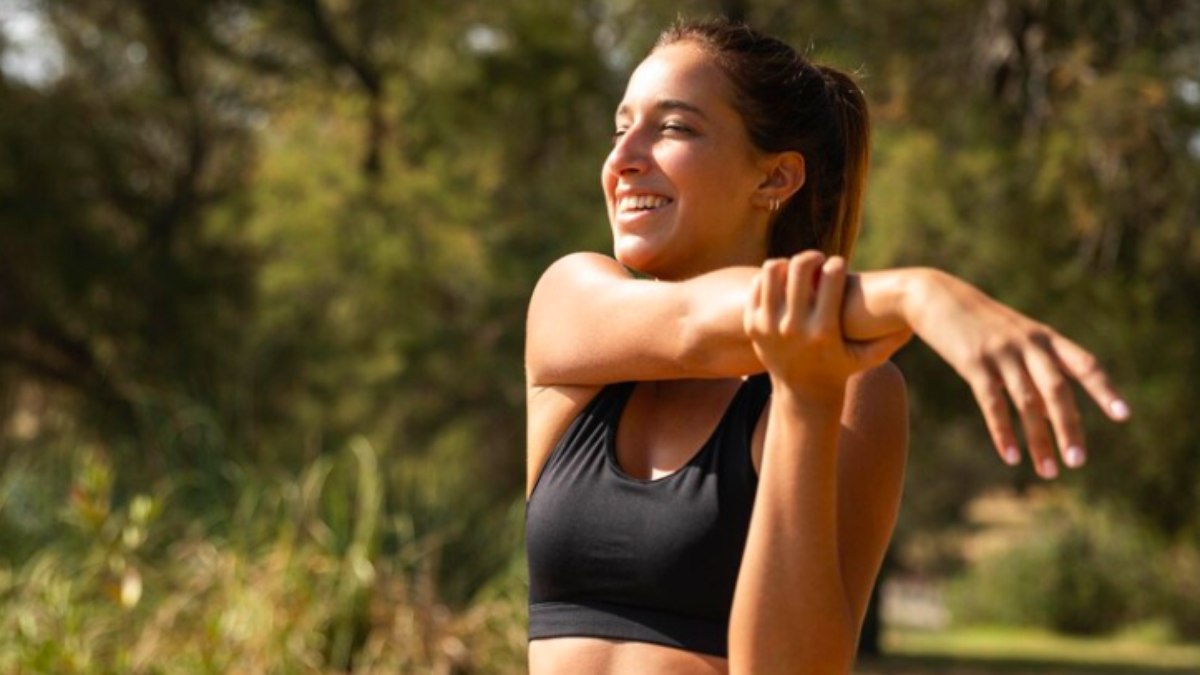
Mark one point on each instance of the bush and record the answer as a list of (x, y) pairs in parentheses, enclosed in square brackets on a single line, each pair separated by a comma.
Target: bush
[(1082, 570), (1181, 597), (291, 585)]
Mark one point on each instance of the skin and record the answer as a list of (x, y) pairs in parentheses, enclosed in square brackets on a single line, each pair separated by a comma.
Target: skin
[(830, 449)]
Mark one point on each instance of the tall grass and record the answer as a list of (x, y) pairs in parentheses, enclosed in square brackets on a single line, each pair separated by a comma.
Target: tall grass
[(308, 575)]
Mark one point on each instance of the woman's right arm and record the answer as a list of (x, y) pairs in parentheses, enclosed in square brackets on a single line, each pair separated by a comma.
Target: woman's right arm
[(592, 322)]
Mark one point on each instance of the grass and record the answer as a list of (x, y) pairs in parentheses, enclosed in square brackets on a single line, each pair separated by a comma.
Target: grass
[(299, 585), (987, 650)]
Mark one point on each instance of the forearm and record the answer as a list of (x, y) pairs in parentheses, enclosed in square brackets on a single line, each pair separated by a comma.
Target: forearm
[(791, 611), (590, 322), (715, 342), (875, 304), (883, 302)]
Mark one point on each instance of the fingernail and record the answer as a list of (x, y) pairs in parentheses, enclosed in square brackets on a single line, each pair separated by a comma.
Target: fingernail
[(1074, 456), (1049, 468), (1119, 409), (1012, 455)]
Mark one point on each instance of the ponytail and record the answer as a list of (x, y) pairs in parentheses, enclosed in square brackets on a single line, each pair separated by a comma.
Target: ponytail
[(788, 104), (854, 131)]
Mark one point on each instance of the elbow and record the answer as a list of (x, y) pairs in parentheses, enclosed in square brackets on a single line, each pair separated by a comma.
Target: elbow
[(836, 654), (829, 648), (829, 663)]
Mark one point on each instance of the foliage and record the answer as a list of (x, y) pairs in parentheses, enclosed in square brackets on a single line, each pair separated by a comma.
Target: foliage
[(1086, 571), (297, 586), (238, 238), (1180, 590)]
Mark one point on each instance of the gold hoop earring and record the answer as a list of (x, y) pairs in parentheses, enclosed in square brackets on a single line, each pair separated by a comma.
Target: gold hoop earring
[(774, 204)]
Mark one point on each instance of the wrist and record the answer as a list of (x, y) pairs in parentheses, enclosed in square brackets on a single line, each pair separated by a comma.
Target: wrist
[(916, 292), (811, 401), (884, 302)]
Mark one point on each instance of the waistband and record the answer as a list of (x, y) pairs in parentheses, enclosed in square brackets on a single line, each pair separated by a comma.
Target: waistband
[(624, 622)]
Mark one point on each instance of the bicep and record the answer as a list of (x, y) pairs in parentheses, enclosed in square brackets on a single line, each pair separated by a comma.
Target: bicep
[(871, 460), (591, 322)]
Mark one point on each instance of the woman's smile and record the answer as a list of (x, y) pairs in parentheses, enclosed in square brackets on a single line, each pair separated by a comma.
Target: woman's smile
[(682, 173), (635, 207)]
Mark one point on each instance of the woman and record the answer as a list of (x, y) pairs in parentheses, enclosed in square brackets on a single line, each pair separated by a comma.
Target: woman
[(685, 515)]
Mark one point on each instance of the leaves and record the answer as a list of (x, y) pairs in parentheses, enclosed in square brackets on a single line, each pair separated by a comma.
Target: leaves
[(235, 236)]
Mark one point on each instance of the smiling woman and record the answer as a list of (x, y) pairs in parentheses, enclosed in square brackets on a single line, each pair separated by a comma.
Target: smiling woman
[(678, 118), (715, 455)]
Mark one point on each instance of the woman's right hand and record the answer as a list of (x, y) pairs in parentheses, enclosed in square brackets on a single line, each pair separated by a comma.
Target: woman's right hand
[(1000, 352), (793, 317)]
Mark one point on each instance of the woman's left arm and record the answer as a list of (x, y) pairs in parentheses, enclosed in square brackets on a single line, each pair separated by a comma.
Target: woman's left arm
[(829, 481)]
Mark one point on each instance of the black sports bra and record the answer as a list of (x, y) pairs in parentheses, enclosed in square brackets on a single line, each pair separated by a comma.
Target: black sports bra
[(649, 560)]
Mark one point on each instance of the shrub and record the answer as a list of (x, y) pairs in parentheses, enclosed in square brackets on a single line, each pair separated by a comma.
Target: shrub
[(1083, 570), (1181, 597), (289, 586)]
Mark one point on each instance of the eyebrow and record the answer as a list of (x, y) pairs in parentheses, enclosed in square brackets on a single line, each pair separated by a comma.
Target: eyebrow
[(667, 104)]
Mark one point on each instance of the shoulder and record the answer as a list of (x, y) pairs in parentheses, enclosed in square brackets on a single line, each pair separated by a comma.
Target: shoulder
[(566, 280), (580, 267)]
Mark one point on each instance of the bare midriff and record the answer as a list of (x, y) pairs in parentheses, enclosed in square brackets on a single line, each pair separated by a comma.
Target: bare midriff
[(596, 656)]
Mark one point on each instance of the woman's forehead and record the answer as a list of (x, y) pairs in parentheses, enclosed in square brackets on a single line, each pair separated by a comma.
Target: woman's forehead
[(681, 74)]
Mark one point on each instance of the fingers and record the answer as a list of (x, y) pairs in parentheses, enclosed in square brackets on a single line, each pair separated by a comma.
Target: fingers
[(771, 307), (827, 315), (1036, 380), (1086, 368), (801, 275), (782, 293), (773, 300), (1060, 405), (804, 292), (1032, 411), (989, 394), (798, 293)]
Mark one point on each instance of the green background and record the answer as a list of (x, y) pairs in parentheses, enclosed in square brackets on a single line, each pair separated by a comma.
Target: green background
[(264, 265)]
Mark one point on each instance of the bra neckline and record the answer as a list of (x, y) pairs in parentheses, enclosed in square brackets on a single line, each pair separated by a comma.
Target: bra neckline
[(610, 438)]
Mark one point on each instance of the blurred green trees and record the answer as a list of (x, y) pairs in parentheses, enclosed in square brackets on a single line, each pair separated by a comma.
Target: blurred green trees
[(236, 235)]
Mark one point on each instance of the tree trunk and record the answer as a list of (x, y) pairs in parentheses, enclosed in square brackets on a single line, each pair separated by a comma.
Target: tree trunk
[(872, 630)]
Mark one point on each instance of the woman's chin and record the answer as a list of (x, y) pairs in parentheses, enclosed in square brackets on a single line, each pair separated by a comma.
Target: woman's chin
[(635, 254)]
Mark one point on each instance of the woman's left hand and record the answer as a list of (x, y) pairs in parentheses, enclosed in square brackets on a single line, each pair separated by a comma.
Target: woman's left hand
[(793, 318), (1003, 354)]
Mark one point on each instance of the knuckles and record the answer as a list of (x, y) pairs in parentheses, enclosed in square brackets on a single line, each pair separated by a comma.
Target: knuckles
[(1030, 402), (1058, 388), (1088, 365)]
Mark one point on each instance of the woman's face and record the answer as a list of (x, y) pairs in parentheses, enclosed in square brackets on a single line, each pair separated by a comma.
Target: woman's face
[(682, 176)]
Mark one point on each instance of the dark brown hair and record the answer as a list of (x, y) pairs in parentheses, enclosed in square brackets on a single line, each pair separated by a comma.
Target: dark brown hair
[(788, 103)]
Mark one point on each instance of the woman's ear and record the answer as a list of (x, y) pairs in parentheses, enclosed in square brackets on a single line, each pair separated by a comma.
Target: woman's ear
[(784, 177)]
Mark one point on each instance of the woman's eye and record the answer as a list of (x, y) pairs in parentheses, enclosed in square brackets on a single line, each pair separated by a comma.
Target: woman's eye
[(616, 136), (675, 127)]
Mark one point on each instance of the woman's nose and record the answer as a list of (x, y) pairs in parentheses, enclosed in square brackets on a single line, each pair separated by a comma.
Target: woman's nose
[(630, 154)]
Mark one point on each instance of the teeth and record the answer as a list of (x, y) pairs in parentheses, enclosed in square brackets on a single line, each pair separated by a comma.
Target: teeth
[(642, 202)]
